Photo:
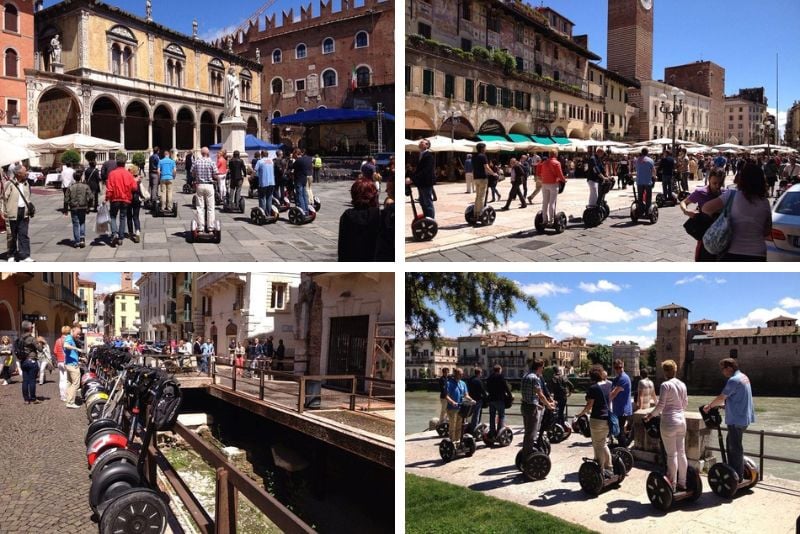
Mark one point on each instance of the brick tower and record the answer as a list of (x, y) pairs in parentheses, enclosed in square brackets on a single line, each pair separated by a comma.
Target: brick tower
[(630, 38), (126, 281), (672, 328)]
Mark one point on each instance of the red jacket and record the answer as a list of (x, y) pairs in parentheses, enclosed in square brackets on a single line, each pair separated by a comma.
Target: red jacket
[(120, 186), (550, 171)]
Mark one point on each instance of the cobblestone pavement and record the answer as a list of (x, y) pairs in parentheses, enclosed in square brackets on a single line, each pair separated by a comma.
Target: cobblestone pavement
[(513, 238), (44, 483), (164, 239)]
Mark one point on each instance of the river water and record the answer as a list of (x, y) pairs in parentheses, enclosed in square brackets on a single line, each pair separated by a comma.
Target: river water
[(776, 414)]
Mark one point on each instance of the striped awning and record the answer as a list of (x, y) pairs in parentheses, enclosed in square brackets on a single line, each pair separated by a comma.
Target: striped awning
[(543, 140), (520, 138), (562, 140), (488, 138)]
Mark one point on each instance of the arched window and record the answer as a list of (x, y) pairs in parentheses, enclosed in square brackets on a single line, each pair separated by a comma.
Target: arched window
[(11, 18), (122, 45), (247, 84), (127, 56), (276, 114), (299, 110), (177, 81), (328, 46), (362, 39), (300, 51), (329, 78), (322, 107), (170, 72), (363, 76), (277, 86), (11, 63), (116, 59), (277, 56)]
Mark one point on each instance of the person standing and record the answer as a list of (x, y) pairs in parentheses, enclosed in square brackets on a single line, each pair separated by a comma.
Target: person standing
[(44, 357), (187, 164), (67, 179), (737, 396), (549, 177), (92, 178), (443, 394), (317, 167), (26, 351), (204, 171), (16, 203), (597, 406), (596, 175), (645, 171), (667, 169), (302, 174), (645, 391), (700, 196), (620, 398), (71, 352), (78, 200), (58, 350), (498, 390), (119, 193), (477, 391), (468, 177), (517, 176), (134, 224), (456, 394), (166, 177), (672, 403), (532, 404), (280, 354), (222, 174), (152, 163), (535, 160), (562, 388), (424, 178), (207, 351), (237, 170), (265, 170)]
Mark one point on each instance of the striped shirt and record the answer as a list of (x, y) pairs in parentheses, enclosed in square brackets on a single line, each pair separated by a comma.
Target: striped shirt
[(204, 170), (530, 387)]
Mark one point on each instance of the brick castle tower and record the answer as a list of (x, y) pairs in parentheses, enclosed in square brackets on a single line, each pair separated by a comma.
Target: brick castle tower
[(630, 38), (672, 329)]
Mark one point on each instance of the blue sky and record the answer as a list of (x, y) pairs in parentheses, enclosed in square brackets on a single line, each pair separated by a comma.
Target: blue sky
[(610, 307), (106, 282), (740, 35)]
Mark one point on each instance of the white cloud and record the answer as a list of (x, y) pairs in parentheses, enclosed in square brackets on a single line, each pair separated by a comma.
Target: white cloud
[(645, 312), (543, 289), (598, 311), (757, 317), (790, 302), (699, 278), (642, 341), (720, 280), (650, 327), (601, 285), (781, 119), (521, 328), (572, 328), (213, 34), (105, 289)]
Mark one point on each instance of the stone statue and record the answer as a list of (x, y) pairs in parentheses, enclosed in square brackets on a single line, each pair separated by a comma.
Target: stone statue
[(55, 51), (232, 98), (258, 55), (148, 9), (229, 44), (194, 29)]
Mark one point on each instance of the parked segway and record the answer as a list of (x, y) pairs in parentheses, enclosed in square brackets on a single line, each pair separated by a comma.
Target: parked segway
[(722, 478), (639, 209), (560, 222), (485, 218), (422, 228), (594, 215), (580, 425), (466, 446), (659, 488)]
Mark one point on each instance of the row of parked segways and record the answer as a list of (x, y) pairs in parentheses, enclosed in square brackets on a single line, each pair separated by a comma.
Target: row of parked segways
[(141, 401)]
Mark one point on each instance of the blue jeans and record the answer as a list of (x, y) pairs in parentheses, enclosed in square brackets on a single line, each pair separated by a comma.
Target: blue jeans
[(666, 183), (477, 411), (78, 224), (497, 408), (30, 368), (735, 449), (202, 364), (301, 197), (426, 201), (122, 209), (265, 198)]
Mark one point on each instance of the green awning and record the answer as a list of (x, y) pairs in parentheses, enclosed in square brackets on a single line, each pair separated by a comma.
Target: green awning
[(487, 138), (542, 140), (562, 140), (520, 138)]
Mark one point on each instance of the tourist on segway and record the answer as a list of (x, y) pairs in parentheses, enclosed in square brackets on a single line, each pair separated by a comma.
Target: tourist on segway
[(424, 178), (477, 390), (620, 397), (152, 171), (623, 173), (237, 171), (480, 211), (672, 403), (596, 175), (739, 412), (456, 394), (499, 392), (222, 177), (264, 171), (204, 172), (552, 181), (532, 404), (302, 212), (163, 204), (188, 186), (442, 426), (562, 389), (642, 205), (597, 406)]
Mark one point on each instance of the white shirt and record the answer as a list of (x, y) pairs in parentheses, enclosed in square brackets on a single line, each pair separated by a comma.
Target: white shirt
[(672, 403), (67, 177)]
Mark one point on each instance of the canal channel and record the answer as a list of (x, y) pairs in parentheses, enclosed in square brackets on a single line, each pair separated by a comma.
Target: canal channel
[(775, 414)]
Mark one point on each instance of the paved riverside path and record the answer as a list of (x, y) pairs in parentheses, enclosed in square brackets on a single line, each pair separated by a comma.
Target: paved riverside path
[(513, 237), (164, 238), (772, 506), (44, 482)]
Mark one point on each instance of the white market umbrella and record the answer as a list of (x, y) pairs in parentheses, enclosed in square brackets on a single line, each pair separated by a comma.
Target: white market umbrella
[(411, 146), (730, 146), (12, 152), (74, 141)]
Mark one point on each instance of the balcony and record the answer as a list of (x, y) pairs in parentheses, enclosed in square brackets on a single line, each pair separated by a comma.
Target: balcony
[(543, 115), (187, 287), (62, 294)]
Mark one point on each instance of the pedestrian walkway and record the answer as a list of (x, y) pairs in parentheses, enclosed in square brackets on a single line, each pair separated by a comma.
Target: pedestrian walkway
[(44, 481), (772, 506)]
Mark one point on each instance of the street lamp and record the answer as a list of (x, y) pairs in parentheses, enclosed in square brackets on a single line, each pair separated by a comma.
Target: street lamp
[(674, 110), (451, 116), (766, 128)]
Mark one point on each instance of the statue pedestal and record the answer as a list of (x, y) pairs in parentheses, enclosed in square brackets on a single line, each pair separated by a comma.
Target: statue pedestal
[(58, 68), (233, 132)]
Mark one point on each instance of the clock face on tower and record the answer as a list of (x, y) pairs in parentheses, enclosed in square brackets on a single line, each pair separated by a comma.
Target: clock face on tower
[(647, 4)]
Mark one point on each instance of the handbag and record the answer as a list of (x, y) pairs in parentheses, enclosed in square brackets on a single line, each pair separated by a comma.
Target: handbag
[(696, 226), (29, 205), (613, 424), (718, 237)]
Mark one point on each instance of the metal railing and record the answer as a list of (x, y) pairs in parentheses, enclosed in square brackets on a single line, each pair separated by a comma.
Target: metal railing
[(760, 455), (229, 483)]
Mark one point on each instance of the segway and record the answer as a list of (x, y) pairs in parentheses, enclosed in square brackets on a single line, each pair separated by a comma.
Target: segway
[(659, 488), (257, 215), (555, 431), (485, 218), (560, 222), (722, 478), (448, 450), (498, 438), (592, 479), (422, 228), (594, 215), (299, 217), (580, 425), (158, 212), (535, 464), (233, 207), (673, 199), (443, 428), (639, 209), (205, 234)]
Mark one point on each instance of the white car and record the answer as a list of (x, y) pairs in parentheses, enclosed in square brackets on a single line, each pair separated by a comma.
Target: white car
[(783, 244)]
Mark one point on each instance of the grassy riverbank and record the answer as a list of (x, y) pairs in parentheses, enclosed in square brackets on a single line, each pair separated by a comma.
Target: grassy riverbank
[(436, 507)]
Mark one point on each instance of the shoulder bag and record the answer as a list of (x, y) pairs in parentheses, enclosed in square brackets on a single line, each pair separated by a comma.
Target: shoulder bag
[(29, 205), (718, 237)]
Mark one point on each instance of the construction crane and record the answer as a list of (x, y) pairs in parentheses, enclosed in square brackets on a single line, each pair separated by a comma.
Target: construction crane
[(253, 18)]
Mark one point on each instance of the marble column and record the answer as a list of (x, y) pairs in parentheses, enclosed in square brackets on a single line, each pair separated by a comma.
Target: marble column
[(122, 132)]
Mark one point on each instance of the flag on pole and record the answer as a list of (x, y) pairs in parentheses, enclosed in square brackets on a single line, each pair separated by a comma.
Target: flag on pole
[(353, 83)]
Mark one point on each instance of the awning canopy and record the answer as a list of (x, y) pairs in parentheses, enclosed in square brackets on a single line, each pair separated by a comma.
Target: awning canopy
[(251, 142), (562, 140), (520, 138), (489, 138), (543, 140), (330, 115)]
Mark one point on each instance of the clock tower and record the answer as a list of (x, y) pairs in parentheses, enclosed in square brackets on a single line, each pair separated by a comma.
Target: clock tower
[(630, 38), (672, 332)]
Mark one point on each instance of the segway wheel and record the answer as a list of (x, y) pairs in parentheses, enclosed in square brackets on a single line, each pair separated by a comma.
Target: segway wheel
[(750, 472), (653, 214), (488, 216), (660, 201), (723, 480), (694, 484), (295, 216), (619, 469), (443, 429), (111, 457), (135, 511), (536, 466), (241, 205), (561, 222), (112, 482), (518, 459), (217, 231), (590, 478), (187, 188), (538, 223), (469, 214), (505, 437), (447, 450), (94, 411), (591, 217), (605, 210), (557, 434), (174, 210), (625, 455), (424, 229), (468, 442), (659, 491), (544, 444), (97, 425), (479, 432), (634, 212), (255, 216), (317, 203)]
